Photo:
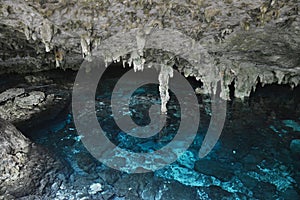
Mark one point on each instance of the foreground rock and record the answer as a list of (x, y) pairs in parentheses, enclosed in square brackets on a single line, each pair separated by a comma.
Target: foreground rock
[(25, 168)]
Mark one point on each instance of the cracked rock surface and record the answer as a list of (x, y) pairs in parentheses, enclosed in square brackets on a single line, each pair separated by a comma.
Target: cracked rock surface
[(25, 167), (248, 41), (25, 98)]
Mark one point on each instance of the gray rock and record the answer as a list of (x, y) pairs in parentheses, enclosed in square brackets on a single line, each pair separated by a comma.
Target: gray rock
[(246, 40), (20, 107), (38, 79), (25, 167), (33, 99), (11, 94), (23, 107), (295, 146)]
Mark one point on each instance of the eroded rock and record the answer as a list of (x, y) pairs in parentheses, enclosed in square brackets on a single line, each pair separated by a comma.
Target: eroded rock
[(19, 106), (248, 41), (25, 167), (11, 94), (34, 98), (38, 79)]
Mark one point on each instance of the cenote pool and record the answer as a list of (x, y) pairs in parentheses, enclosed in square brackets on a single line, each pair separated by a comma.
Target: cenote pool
[(256, 157)]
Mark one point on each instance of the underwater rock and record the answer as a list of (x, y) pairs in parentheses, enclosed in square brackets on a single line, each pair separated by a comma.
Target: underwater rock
[(174, 190), (214, 168), (295, 146), (25, 167), (85, 162), (290, 193), (214, 192), (292, 124), (95, 188)]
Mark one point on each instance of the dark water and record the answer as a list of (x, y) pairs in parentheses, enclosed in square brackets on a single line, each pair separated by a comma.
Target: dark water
[(252, 159)]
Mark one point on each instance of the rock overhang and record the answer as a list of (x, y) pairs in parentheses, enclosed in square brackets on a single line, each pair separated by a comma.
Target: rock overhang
[(246, 42)]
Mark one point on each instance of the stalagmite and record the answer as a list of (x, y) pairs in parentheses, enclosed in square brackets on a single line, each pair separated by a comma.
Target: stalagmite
[(166, 72)]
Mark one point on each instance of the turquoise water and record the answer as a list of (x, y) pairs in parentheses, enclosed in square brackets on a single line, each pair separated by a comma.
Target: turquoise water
[(252, 159)]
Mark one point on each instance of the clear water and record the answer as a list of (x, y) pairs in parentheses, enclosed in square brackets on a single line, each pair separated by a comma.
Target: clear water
[(252, 159)]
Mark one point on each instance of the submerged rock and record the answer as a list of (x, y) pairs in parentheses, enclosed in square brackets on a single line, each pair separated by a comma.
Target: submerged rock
[(95, 188), (214, 168), (295, 146), (25, 167)]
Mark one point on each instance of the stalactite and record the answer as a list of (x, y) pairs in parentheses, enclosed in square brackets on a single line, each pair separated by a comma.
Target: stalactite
[(166, 72), (137, 61), (141, 42), (86, 47), (47, 34), (107, 60), (59, 57), (27, 32)]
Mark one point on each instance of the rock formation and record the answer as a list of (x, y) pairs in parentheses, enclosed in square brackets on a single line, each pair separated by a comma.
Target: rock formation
[(25, 167), (241, 42)]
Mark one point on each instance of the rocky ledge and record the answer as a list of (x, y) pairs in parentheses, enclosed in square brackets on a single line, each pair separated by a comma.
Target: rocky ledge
[(34, 98)]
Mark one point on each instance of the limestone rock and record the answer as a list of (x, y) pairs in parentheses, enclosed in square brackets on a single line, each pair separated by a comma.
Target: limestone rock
[(38, 79), (11, 94), (19, 106), (24, 167), (243, 42), (33, 99)]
